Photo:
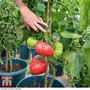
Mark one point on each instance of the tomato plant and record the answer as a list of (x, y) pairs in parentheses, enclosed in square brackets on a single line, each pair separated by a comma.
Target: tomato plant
[(7, 29)]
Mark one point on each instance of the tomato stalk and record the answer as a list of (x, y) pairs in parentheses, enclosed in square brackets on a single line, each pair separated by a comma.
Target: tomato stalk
[(1, 60), (7, 54), (10, 62), (30, 55), (87, 58), (51, 65)]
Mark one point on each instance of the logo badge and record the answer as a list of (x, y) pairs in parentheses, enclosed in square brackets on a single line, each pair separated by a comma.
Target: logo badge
[(6, 81)]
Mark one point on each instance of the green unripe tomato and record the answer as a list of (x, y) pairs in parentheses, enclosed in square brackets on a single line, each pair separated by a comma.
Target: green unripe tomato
[(58, 50), (28, 70), (53, 10), (31, 41)]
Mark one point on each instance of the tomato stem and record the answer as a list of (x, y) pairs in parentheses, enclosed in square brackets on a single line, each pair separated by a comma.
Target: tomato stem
[(46, 74), (1, 62), (51, 65), (11, 67)]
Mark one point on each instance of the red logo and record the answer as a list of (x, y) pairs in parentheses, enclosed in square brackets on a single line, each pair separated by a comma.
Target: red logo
[(6, 81)]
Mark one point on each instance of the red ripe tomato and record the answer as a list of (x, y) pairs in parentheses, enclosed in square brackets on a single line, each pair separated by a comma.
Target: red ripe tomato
[(44, 49), (35, 58), (38, 67)]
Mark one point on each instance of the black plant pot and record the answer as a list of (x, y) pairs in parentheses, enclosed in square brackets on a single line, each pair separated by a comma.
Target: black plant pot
[(58, 70), (24, 51), (38, 79)]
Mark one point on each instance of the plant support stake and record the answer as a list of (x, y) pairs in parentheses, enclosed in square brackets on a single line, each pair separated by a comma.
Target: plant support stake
[(6, 62), (47, 41)]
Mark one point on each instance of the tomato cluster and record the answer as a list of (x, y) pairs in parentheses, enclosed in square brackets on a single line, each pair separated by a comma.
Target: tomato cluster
[(46, 49), (39, 67)]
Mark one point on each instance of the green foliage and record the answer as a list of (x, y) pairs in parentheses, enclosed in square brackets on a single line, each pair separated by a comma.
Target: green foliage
[(7, 30), (87, 45), (67, 34), (84, 14), (84, 80), (55, 36), (41, 6), (66, 42), (74, 63)]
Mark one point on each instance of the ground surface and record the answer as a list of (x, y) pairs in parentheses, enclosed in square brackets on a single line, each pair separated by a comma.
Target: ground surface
[(63, 78)]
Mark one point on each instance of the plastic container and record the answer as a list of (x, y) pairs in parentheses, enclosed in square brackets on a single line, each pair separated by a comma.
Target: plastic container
[(4, 58), (24, 51), (58, 69), (3, 54), (33, 52), (38, 78), (11, 79)]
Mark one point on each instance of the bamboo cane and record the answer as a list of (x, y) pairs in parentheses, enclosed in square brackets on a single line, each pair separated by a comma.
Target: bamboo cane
[(6, 62), (47, 41)]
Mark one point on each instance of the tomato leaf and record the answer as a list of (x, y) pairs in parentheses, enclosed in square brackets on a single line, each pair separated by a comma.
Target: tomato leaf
[(87, 44), (74, 63), (19, 34), (67, 34), (55, 36), (84, 14), (41, 6)]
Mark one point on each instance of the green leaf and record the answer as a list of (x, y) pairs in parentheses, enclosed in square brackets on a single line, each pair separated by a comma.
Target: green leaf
[(39, 35), (38, 13), (87, 44), (19, 34), (67, 34), (55, 36), (88, 31), (41, 6), (84, 14), (21, 26), (65, 42), (74, 63)]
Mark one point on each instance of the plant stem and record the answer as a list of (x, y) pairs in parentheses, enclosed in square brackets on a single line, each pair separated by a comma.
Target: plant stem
[(7, 55), (1, 61), (30, 55), (51, 65), (46, 75), (10, 62)]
